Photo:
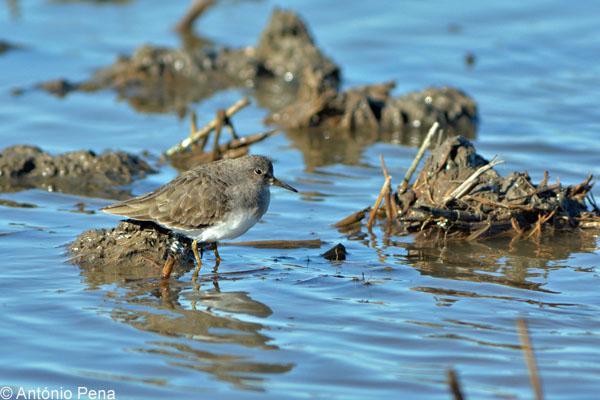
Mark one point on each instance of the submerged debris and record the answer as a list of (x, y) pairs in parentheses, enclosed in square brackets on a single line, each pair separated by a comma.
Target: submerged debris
[(77, 172), (5, 46), (336, 253), (133, 249), (459, 195)]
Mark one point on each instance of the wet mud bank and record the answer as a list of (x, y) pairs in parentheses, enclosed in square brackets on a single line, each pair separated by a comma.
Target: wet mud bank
[(459, 195), (78, 172)]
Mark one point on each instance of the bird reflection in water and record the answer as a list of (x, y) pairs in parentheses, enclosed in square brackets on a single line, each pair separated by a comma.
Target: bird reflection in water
[(202, 314)]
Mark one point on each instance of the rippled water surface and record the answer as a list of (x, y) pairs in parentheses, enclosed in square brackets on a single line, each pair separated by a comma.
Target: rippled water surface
[(287, 323)]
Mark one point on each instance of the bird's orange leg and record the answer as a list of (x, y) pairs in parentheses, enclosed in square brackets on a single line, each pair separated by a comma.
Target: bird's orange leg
[(168, 267), (217, 257), (198, 261)]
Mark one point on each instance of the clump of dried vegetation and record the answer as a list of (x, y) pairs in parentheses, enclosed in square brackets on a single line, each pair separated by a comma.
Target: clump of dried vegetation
[(458, 195)]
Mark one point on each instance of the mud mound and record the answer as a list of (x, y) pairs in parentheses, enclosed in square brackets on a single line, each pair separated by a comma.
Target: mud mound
[(286, 50), (132, 249), (291, 76), (372, 108), (78, 172)]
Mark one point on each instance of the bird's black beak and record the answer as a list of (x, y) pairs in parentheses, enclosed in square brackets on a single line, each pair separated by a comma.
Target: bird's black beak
[(277, 182)]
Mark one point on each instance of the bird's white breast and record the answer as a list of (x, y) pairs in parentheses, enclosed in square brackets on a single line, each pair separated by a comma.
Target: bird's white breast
[(236, 223)]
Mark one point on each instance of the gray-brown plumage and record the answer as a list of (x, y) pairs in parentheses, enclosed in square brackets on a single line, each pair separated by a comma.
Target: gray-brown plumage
[(215, 201)]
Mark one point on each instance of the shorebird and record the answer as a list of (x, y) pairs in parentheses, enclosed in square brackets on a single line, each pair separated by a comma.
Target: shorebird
[(209, 203)]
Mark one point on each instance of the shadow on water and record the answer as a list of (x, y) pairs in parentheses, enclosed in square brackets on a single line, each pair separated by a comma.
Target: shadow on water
[(201, 313)]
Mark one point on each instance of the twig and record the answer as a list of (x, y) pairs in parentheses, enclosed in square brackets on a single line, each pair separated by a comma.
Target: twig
[(197, 8), (187, 142), (467, 185), (193, 122), (592, 200), (220, 121), (418, 157), (537, 231), (530, 359), (454, 385), (278, 244), (389, 212), (382, 193), (352, 218), (227, 122)]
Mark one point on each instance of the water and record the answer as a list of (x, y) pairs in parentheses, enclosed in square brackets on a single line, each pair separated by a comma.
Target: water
[(286, 323)]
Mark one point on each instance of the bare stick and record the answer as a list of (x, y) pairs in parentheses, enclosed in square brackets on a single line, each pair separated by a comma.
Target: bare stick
[(197, 8), (454, 385), (382, 192), (352, 218), (193, 122), (388, 194), (230, 126), (220, 120), (418, 157), (278, 244), (530, 359), (467, 185), (187, 142)]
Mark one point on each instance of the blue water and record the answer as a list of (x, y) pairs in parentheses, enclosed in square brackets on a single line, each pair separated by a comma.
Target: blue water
[(387, 322)]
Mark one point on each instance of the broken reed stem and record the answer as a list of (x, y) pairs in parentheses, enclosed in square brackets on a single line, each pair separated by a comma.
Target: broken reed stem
[(220, 121), (193, 122), (204, 131), (382, 193), (197, 8), (352, 218), (530, 359), (424, 146), (467, 185), (278, 244), (454, 385), (227, 122), (389, 209)]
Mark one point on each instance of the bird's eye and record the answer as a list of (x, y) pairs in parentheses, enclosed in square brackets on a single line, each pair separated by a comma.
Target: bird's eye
[(258, 171)]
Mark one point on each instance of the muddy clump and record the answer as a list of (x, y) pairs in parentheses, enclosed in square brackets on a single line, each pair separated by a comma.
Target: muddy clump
[(291, 76), (287, 51), (160, 79), (336, 127), (133, 250), (78, 172), (372, 108), (458, 195)]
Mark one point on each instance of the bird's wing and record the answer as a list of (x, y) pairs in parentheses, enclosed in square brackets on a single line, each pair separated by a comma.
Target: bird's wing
[(193, 200)]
